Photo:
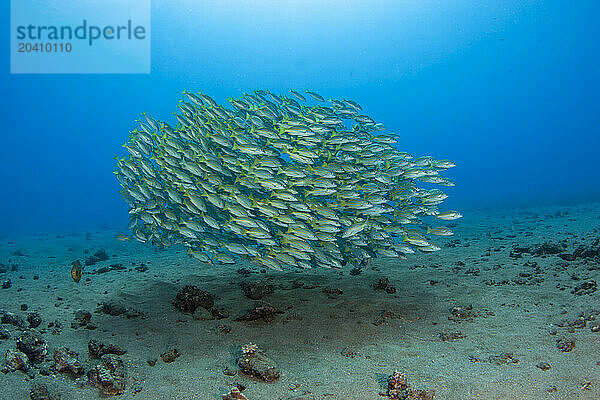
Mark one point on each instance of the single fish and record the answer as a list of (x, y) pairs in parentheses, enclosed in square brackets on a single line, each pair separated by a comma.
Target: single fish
[(298, 95), (315, 96), (76, 271), (122, 237), (440, 231), (448, 215)]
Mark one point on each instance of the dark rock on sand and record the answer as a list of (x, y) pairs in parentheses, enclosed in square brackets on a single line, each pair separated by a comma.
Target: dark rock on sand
[(384, 316), (256, 290), (451, 336), (12, 319), (112, 308), (398, 389), (567, 257), (220, 313), (256, 364), (6, 284), (112, 267), (578, 323), (587, 251), (133, 313), (33, 344), (245, 271), (384, 284), (97, 349), (81, 318), (588, 287), (191, 297), (459, 314), (170, 355), (544, 366), (98, 256), (56, 327), (234, 394), (381, 284), (4, 333), (66, 361), (565, 345), (15, 361), (547, 248), (349, 352), (333, 292), (34, 319), (262, 311), (467, 313), (39, 391), (109, 376), (503, 358)]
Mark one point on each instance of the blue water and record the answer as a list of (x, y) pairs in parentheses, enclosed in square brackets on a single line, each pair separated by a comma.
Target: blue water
[(508, 90)]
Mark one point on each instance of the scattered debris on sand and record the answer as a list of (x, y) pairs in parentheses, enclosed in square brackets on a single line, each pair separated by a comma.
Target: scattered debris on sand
[(81, 318), (115, 309), (565, 344), (108, 376), (256, 290), (15, 361), (503, 358), (112, 267), (191, 297), (398, 389), (467, 314), (256, 364), (384, 284), (34, 320), (170, 355), (544, 366), (585, 288), (97, 349), (4, 333), (12, 319), (39, 391), (451, 336), (384, 316), (98, 256), (261, 312), (33, 345), (66, 360), (234, 394)]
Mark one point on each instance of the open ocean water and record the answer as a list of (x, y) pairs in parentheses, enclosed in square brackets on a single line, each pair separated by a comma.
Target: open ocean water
[(355, 200)]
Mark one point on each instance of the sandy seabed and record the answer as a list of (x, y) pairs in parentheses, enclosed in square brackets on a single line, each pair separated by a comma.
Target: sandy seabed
[(327, 345)]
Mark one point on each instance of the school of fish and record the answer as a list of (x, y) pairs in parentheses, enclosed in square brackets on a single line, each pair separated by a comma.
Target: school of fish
[(290, 180)]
